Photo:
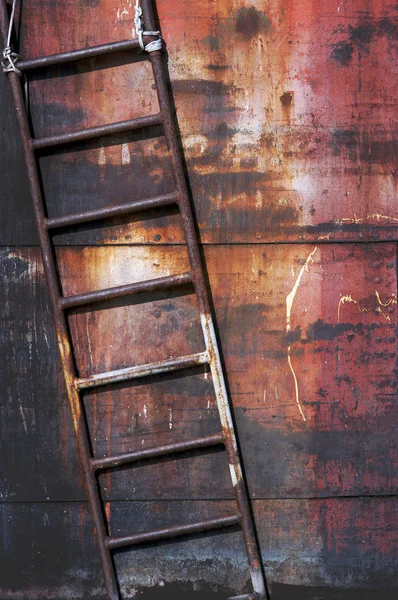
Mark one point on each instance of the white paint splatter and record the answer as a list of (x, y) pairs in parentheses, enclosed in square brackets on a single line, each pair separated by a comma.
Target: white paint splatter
[(348, 299), (392, 300), (289, 303), (102, 157), (373, 216), (125, 154)]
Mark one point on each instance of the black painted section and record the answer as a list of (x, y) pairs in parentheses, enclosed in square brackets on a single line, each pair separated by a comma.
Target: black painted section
[(16, 222), (47, 551)]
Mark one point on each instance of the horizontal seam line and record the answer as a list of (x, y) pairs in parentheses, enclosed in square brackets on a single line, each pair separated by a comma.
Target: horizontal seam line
[(212, 500), (205, 244)]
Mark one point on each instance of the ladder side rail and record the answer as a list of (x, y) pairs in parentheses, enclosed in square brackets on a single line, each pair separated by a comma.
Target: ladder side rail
[(64, 343), (240, 490)]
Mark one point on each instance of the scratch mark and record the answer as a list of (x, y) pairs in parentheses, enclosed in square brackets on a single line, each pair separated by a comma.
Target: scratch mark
[(325, 237), (289, 303), (21, 410), (380, 217), (46, 339), (290, 297), (390, 301), (89, 344), (170, 418), (347, 299), (376, 216)]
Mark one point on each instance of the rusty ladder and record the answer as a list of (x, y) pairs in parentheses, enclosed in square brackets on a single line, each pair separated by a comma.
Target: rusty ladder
[(60, 305)]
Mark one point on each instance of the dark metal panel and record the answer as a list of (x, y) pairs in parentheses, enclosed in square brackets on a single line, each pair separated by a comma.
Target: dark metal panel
[(340, 348), (16, 222), (47, 551), (35, 420)]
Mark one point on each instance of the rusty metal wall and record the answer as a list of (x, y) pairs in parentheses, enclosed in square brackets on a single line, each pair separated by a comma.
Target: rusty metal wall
[(288, 122)]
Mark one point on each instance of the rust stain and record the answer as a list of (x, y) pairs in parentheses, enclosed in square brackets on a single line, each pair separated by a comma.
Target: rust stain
[(345, 365), (251, 22), (288, 138), (108, 516), (358, 281)]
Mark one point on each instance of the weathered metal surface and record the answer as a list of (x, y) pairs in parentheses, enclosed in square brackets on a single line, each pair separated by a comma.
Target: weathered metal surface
[(293, 135), (31, 143), (342, 348), (304, 542)]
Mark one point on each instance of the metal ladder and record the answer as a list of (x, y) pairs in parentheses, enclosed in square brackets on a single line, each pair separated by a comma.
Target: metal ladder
[(60, 305)]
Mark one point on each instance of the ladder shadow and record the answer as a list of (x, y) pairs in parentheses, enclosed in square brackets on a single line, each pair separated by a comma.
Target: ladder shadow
[(210, 296)]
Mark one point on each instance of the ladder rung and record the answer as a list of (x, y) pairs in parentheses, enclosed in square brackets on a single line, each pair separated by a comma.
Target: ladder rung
[(73, 55), (252, 596), (95, 132), (153, 285), (112, 211), (148, 453), (156, 368), (170, 532)]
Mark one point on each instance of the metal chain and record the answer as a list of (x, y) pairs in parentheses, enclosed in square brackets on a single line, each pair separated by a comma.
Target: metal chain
[(10, 57), (139, 28)]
